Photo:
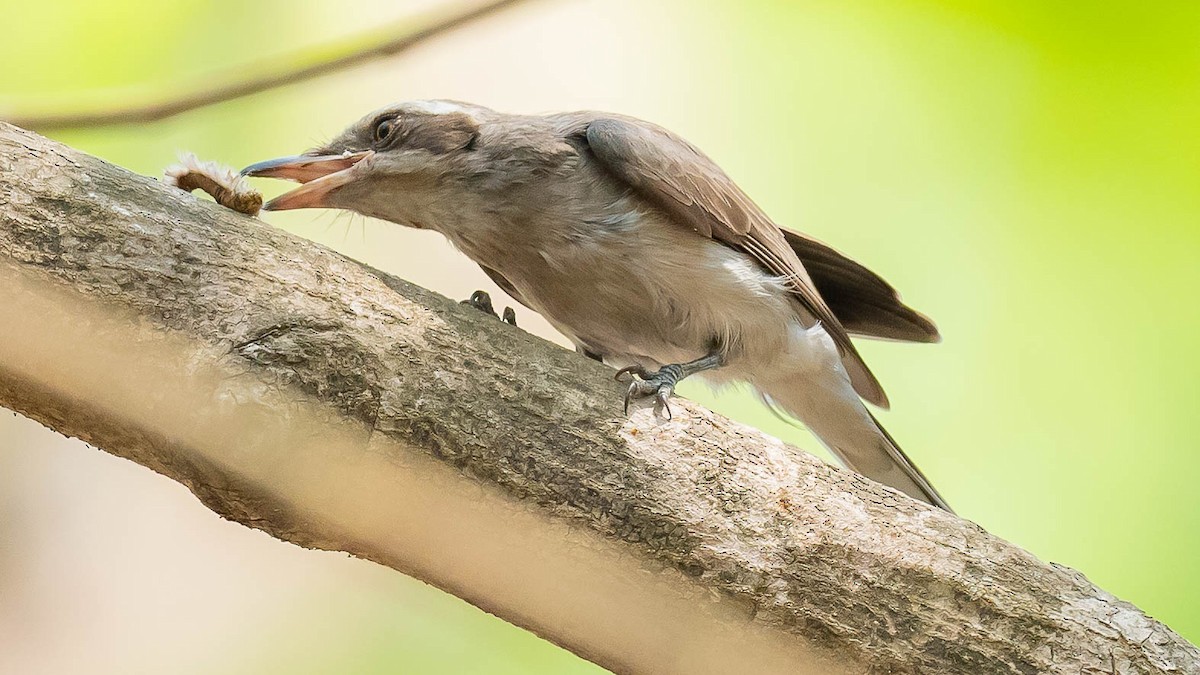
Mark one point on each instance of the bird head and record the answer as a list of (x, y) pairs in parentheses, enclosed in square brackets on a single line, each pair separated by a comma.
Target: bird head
[(385, 165)]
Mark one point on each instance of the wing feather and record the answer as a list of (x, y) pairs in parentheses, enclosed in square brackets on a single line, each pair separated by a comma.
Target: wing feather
[(677, 177), (864, 303)]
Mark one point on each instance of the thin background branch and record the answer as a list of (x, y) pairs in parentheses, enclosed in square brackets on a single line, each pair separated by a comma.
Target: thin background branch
[(298, 67)]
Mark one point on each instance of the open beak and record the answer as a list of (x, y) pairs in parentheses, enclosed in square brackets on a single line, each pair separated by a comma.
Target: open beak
[(320, 175)]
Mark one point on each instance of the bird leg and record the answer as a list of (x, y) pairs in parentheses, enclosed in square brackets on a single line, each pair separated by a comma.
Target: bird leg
[(481, 301), (661, 383)]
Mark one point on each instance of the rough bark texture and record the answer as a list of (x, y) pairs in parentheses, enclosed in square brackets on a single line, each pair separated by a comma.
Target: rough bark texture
[(811, 553)]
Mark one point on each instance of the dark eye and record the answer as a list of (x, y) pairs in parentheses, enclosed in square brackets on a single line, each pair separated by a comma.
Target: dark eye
[(383, 129)]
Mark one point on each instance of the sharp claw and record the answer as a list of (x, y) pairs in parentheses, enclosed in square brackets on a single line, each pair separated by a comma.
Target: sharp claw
[(481, 301), (629, 395), (660, 385), (661, 404)]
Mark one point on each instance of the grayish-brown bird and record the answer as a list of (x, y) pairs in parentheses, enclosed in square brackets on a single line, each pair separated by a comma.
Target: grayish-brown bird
[(640, 249)]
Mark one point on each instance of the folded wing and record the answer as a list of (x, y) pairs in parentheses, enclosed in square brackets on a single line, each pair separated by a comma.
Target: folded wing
[(678, 178)]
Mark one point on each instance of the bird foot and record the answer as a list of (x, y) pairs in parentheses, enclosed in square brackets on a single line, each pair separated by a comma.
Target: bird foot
[(660, 384), (481, 301)]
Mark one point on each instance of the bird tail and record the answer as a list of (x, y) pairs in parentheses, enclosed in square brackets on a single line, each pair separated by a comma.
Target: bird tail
[(845, 426)]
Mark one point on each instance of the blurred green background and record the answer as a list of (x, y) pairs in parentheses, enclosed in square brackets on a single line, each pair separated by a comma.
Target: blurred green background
[(1026, 172)]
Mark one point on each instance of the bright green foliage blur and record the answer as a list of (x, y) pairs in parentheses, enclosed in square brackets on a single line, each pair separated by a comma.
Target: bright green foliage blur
[(1025, 172)]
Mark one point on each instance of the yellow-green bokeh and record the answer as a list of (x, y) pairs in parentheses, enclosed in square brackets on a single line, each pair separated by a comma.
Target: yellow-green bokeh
[(1027, 173)]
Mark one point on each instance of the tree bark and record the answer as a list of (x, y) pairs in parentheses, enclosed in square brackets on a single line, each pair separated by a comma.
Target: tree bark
[(306, 395)]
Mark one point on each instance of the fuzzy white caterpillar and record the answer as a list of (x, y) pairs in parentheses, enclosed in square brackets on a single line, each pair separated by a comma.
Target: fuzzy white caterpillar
[(229, 188)]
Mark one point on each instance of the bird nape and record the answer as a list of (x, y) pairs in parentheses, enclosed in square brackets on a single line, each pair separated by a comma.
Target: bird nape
[(640, 249)]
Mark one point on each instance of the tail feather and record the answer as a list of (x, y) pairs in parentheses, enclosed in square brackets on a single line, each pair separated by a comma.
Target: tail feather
[(855, 437), (917, 480)]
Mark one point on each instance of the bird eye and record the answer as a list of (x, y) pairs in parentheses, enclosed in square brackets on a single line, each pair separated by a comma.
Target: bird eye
[(383, 129)]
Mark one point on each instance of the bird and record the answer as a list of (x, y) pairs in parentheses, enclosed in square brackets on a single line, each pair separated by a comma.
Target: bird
[(640, 249)]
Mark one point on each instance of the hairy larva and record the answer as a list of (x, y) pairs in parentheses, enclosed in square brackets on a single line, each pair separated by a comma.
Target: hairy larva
[(222, 183)]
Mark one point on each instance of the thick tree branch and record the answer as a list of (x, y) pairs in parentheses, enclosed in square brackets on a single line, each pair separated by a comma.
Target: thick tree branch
[(303, 394), (294, 68)]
